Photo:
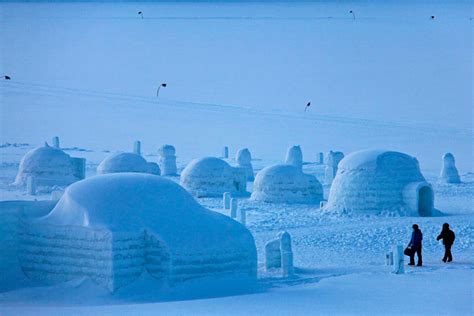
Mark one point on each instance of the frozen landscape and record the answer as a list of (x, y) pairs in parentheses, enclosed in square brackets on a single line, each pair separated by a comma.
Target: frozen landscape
[(96, 223)]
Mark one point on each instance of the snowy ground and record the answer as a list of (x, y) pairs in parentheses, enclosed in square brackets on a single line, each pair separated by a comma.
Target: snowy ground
[(239, 75)]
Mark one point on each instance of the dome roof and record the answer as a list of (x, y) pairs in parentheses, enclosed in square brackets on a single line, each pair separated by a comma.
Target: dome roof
[(377, 181), (284, 183), (47, 162), (133, 202), (206, 167), (123, 162), (377, 159)]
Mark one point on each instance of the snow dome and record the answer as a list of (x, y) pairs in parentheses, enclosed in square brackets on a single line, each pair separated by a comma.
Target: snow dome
[(211, 177), (49, 166), (112, 228), (286, 184), (449, 172), (127, 162), (377, 182)]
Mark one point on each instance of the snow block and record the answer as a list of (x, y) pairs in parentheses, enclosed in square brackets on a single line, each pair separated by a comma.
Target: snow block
[(244, 160), (226, 200), (234, 206), (56, 142), (332, 161), (279, 254), (137, 147), (286, 184), (294, 157), (380, 182), (211, 177), (449, 172), (112, 228), (167, 160), (225, 152), (398, 260)]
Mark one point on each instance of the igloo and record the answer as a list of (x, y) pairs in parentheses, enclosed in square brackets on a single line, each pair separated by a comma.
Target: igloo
[(167, 160), (294, 157), (127, 162), (286, 184), (49, 166), (332, 161), (380, 182), (211, 177), (244, 160), (113, 228), (449, 172)]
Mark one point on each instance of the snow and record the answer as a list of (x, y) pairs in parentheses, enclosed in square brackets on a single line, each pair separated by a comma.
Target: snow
[(449, 172), (127, 162), (46, 164), (377, 182), (211, 177), (286, 184), (244, 160), (110, 228), (239, 75), (294, 157), (167, 160)]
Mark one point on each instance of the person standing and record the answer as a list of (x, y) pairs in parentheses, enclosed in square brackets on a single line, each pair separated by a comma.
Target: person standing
[(448, 236), (416, 246)]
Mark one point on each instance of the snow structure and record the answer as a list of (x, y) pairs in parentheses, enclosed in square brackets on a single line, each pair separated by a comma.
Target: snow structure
[(279, 254), (294, 157), (137, 147), (48, 167), (112, 228), (167, 160), (332, 161), (127, 162), (286, 184), (380, 182), (244, 160), (449, 172), (211, 177)]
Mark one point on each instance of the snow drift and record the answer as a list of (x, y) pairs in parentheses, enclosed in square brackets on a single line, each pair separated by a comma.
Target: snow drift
[(111, 228)]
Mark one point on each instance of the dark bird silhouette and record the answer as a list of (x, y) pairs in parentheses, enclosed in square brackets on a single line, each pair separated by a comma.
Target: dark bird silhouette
[(432, 17), (353, 14), (307, 106), (140, 13), (158, 90), (7, 77)]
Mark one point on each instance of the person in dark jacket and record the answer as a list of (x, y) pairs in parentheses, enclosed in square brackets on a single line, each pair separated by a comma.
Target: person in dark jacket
[(448, 236), (416, 246)]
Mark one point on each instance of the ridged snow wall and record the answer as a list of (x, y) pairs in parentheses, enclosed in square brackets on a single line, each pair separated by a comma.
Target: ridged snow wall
[(379, 182), (49, 166), (112, 228), (127, 162), (211, 177), (244, 160), (286, 184), (449, 172)]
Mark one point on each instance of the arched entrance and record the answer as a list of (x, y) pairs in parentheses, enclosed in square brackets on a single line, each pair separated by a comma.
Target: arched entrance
[(425, 201)]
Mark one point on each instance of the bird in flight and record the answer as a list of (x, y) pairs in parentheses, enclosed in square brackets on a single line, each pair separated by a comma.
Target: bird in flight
[(307, 106), (7, 77)]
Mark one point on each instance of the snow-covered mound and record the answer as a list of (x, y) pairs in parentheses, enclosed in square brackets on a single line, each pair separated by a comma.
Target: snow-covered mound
[(449, 172), (127, 162), (244, 160), (47, 165), (378, 182), (286, 184), (211, 177), (110, 228)]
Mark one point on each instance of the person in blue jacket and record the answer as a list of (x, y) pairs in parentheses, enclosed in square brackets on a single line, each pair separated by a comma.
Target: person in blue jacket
[(416, 246)]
